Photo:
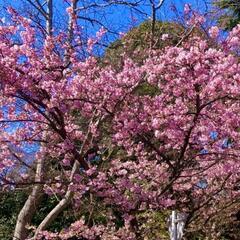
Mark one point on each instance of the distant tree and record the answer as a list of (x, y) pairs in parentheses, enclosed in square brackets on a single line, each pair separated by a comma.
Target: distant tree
[(139, 39), (11, 203), (230, 15)]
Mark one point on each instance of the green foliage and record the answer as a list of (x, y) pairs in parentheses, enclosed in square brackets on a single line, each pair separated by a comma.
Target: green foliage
[(146, 89), (47, 204), (137, 41), (153, 224), (231, 13), (10, 205)]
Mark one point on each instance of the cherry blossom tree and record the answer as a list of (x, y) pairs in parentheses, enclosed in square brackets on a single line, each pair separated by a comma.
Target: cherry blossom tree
[(99, 141)]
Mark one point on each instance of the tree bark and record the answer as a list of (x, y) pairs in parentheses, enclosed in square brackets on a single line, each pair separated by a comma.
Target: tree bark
[(49, 20), (30, 206), (71, 21), (155, 7), (59, 207)]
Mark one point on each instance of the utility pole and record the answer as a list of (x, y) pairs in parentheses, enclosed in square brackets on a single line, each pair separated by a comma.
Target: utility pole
[(176, 225)]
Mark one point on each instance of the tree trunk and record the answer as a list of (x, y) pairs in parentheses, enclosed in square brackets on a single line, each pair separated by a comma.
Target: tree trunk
[(30, 206), (49, 20), (79, 158), (60, 206)]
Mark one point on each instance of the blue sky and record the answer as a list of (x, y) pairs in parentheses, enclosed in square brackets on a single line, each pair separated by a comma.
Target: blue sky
[(116, 16), (120, 19)]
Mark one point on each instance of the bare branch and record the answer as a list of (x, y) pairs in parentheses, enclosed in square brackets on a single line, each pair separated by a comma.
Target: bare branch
[(38, 7)]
